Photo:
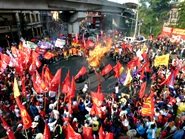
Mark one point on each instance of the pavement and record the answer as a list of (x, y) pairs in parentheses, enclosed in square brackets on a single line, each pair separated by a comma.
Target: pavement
[(75, 65)]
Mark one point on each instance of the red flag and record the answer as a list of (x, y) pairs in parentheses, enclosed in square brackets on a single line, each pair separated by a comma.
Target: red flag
[(66, 85), (26, 119), (8, 129), (48, 55), (56, 80), (142, 90), (18, 66), (106, 70), (148, 107), (15, 52), (5, 58), (99, 88), (70, 106), (167, 81), (39, 85), (71, 94), (81, 72), (32, 68), (46, 134), (101, 133), (97, 98), (3, 66), (23, 86), (109, 136), (133, 63), (87, 132), (25, 58), (145, 66), (71, 134), (47, 77), (118, 69)]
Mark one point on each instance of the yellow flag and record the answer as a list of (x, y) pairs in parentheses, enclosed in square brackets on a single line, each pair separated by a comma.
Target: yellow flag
[(161, 60), (144, 48), (128, 78), (16, 89)]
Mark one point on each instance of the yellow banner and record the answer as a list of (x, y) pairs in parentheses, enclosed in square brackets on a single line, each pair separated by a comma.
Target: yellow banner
[(161, 60), (178, 31)]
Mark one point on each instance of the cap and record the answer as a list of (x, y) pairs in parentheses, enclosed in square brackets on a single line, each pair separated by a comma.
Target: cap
[(19, 125)]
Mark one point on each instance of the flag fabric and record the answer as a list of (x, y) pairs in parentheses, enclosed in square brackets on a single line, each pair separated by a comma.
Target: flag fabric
[(5, 58), (15, 52), (109, 136), (162, 60), (66, 85), (133, 63), (16, 88), (87, 133), (71, 134), (121, 80), (107, 72), (56, 81), (144, 67), (148, 107), (101, 133), (97, 98), (71, 94), (81, 75), (128, 78), (118, 69), (169, 80), (46, 134), (39, 85), (8, 129), (48, 55), (23, 86), (3, 66), (142, 90), (47, 76), (26, 119)]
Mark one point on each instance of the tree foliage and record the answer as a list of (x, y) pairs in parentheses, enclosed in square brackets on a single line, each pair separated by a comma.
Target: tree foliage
[(181, 22), (153, 14)]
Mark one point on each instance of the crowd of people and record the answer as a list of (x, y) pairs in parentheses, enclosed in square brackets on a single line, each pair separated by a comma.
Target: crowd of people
[(121, 112)]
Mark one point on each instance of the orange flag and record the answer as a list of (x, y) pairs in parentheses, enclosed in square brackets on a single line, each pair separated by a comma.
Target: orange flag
[(148, 107), (47, 77), (142, 90), (87, 132), (48, 55), (71, 134), (46, 134), (8, 129), (27, 122), (66, 85)]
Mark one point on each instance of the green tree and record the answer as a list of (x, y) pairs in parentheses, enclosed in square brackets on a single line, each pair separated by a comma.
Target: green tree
[(181, 21), (153, 14)]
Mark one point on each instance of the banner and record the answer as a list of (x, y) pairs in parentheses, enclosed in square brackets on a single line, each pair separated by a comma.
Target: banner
[(161, 60), (148, 107), (60, 43), (173, 31)]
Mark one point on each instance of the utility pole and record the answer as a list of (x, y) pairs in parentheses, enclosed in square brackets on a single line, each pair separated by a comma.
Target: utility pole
[(135, 32)]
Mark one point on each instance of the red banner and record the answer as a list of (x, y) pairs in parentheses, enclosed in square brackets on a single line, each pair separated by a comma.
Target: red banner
[(173, 31)]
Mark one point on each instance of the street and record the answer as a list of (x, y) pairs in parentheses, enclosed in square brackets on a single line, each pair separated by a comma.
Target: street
[(75, 65)]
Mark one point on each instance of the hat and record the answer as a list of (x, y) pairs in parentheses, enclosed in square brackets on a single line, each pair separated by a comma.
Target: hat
[(19, 125), (39, 136), (34, 124), (75, 120), (36, 119)]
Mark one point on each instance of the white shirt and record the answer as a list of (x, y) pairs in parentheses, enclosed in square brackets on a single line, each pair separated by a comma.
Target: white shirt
[(51, 106), (17, 112), (52, 125), (85, 88), (117, 89)]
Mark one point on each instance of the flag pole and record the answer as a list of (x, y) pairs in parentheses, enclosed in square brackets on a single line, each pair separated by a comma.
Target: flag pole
[(59, 90), (26, 134)]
